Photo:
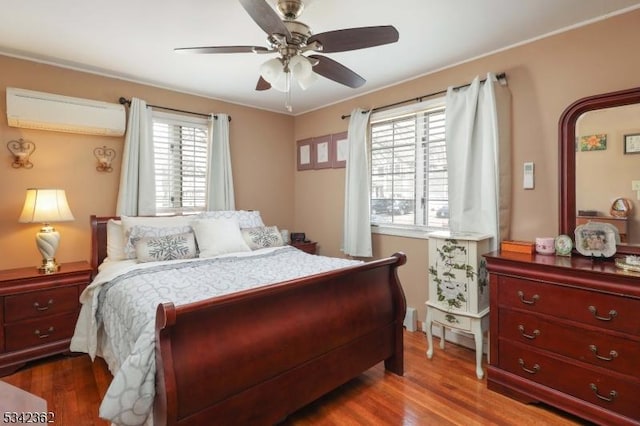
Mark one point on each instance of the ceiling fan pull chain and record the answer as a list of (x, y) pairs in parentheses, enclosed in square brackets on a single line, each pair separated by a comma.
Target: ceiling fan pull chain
[(287, 93)]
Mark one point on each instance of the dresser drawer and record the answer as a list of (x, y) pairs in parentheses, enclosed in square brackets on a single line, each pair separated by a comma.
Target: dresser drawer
[(38, 304), (594, 386), (587, 307), (450, 320), (597, 348), (45, 330)]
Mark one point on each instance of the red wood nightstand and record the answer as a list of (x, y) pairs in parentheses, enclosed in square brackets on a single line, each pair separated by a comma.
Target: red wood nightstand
[(38, 312), (309, 246)]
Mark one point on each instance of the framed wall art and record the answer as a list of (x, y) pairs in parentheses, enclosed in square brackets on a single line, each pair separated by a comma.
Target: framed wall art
[(593, 142), (632, 143), (305, 154), (340, 149), (323, 149)]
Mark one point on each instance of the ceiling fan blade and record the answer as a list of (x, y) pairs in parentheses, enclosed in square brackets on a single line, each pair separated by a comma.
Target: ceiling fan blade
[(265, 17), (337, 72), (355, 38), (263, 84), (222, 49)]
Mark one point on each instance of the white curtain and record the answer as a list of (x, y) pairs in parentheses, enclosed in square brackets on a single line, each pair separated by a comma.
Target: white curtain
[(137, 192), (356, 239), (479, 158), (220, 194)]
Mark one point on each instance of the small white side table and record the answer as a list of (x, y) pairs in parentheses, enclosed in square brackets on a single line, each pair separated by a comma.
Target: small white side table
[(458, 287)]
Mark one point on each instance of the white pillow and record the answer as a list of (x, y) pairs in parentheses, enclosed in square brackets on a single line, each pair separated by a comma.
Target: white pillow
[(245, 218), (167, 247), (115, 240), (218, 236)]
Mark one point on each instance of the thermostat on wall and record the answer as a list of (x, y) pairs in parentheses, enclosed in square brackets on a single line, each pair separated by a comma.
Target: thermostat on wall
[(528, 180)]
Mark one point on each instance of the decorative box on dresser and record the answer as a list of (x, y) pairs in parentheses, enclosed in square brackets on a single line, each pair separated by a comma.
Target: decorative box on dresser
[(458, 287), (566, 331), (38, 312)]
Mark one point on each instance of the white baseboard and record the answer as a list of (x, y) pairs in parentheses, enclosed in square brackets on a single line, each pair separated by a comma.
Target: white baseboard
[(411, 319)]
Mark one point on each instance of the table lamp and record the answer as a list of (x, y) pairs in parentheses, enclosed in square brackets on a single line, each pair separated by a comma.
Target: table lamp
[(46, 206)]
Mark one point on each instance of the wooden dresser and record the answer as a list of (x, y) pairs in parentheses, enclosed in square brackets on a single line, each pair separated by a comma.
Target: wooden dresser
[(566, 331), (38, 312)]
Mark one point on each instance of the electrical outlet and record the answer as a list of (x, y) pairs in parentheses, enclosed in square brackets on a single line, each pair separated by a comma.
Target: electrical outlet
[(635, 185)]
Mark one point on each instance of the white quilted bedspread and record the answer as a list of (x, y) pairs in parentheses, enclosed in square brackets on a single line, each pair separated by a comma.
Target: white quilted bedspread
[(121, 302)]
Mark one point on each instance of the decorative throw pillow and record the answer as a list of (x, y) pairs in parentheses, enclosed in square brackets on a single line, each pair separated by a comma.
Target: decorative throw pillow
[(262, 236), (218, 236), (245, 218), (138, 232), (167, 247)]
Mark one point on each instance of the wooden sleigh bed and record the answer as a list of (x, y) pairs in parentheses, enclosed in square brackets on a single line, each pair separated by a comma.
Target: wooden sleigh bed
[(257, 356)]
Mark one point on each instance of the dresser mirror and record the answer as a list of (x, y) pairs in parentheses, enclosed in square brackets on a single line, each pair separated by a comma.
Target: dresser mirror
[(598, 160)]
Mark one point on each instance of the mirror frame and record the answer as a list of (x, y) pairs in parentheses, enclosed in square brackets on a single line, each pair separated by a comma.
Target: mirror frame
[(567, 157)]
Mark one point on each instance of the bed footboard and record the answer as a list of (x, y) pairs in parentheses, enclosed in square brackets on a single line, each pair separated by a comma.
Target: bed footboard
[(257, 356)]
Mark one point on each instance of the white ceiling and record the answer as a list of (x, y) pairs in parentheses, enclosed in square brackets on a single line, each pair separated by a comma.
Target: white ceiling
[(134, 39)]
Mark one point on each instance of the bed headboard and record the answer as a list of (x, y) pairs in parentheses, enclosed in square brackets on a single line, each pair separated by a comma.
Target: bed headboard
[(99, 240)]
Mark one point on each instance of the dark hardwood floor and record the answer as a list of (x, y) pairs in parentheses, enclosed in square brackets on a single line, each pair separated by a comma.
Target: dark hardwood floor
[(440, 391)]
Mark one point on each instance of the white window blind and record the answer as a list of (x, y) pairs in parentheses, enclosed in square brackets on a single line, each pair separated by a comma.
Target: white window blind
[(180, 150), (409, 168)]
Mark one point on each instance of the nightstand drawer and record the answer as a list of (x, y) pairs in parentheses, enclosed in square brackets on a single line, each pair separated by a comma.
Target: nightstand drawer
[(42, 331), (40, 303)]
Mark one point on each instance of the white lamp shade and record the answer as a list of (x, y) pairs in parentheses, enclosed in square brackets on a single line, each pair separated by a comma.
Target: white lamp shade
[(301, 68), (45, 206), (271, 70)]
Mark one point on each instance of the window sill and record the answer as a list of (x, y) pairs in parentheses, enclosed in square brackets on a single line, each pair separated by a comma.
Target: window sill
[(401, 231)]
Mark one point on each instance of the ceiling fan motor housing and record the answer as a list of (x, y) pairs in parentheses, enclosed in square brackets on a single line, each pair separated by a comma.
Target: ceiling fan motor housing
[(290, 9)]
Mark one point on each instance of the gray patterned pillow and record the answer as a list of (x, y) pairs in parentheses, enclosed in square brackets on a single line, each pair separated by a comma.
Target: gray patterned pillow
[(262, 237), (137, 232), (167, 247)]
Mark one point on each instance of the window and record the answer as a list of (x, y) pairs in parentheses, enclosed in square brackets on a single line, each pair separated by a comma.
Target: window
[(180, 156), (409, 167)]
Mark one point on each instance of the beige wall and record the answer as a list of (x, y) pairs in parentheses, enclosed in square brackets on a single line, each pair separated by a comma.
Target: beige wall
[(261, 151), (544, 78)]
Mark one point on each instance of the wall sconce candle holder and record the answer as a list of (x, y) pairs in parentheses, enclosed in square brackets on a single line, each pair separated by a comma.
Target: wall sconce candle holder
[(104, 156), (21, 151)]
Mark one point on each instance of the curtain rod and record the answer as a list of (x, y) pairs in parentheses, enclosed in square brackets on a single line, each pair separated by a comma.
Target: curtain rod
[(500, 76), (126, 101)]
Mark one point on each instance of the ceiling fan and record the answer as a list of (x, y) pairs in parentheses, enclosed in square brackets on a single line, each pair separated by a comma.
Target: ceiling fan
[(292, 39)]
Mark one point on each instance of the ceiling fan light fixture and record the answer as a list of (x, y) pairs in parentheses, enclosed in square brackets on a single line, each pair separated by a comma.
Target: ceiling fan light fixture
[(271, 70), (301, 68)]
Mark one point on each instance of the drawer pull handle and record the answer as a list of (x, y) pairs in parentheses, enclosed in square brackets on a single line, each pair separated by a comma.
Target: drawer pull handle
[(612, 354), (43, 308), (44, 336), (594, 311), (611, 396), (533, 300), (533, 370), (535, 334)]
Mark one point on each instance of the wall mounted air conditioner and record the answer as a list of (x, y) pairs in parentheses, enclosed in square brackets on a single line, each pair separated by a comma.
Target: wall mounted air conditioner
[(46, 111)]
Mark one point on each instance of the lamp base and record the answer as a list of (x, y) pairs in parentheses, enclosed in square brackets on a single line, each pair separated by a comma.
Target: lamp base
[(47, 241), (49, 266)]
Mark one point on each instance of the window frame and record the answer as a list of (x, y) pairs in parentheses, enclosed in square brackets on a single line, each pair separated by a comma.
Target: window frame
[(403, 230), (175, 119)]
